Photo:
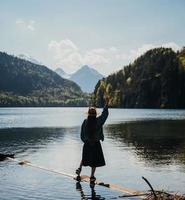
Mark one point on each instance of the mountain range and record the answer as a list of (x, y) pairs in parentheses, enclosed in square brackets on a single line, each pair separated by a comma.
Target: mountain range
[(86, 77), (23, 83)]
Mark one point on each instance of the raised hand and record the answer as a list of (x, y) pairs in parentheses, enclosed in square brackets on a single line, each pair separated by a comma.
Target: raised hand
[(106, 101)]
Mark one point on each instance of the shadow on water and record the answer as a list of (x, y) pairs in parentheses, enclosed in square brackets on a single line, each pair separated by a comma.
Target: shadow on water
[(157, 142), (93, 195), (19, 140)]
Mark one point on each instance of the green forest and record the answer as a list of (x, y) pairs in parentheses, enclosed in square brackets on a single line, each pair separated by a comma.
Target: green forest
[(154, 80), (23, 83)]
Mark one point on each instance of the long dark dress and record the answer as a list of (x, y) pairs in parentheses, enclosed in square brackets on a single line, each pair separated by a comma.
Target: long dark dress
[(92, 154)]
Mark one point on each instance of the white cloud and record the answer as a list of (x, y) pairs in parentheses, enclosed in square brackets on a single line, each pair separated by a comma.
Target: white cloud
[(67, 55), (95, 57), (19, 21), (113, 49), (25, 25)]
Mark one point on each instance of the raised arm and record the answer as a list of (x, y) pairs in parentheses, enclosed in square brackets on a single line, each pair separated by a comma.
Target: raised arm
[(102, 118)]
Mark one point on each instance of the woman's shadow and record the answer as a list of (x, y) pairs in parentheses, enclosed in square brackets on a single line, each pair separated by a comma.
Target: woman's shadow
[(93, 195)]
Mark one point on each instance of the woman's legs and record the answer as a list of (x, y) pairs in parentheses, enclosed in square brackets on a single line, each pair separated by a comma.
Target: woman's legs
[(81, 165), (78, 171), (92, 178), (93, 169)]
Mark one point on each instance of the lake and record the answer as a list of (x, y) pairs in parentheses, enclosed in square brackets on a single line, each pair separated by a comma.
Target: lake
[(138, 142)]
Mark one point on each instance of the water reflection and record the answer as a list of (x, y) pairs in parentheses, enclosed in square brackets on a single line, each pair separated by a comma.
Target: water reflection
[(159, 142), (20, 140), (93, 195)]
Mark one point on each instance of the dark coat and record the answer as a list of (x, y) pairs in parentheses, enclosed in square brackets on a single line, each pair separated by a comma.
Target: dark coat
[(99, 127)]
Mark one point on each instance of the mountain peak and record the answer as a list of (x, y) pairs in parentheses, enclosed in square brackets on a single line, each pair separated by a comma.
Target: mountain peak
[(86, 77), (60, 70), (88, 69), (62, 73)]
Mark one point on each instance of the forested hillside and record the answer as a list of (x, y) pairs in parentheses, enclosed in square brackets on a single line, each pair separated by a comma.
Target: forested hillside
[(154, 80), (23, 83)]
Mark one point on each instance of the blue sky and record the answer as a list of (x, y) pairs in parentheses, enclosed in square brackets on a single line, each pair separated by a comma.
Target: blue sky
[(106, 34)]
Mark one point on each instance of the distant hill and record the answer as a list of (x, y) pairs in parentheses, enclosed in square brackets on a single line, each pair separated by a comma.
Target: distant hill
[(23, 83), (154, 80), (86, 77)]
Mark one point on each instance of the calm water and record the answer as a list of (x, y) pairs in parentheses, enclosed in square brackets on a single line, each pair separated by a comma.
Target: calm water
[(149, 143)]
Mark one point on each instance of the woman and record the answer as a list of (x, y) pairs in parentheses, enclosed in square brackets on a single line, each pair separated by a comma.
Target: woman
[(91, 134)]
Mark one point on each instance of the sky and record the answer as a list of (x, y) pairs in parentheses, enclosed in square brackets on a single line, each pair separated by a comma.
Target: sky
[(104, 34)]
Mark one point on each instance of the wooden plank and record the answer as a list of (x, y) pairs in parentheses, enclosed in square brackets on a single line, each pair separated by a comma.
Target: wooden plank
[(84, 178), (28, 163), (119, 188)]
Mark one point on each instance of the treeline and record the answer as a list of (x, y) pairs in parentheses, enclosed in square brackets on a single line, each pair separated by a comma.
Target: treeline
[(12, 100), (23, 83), (154, 80)]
